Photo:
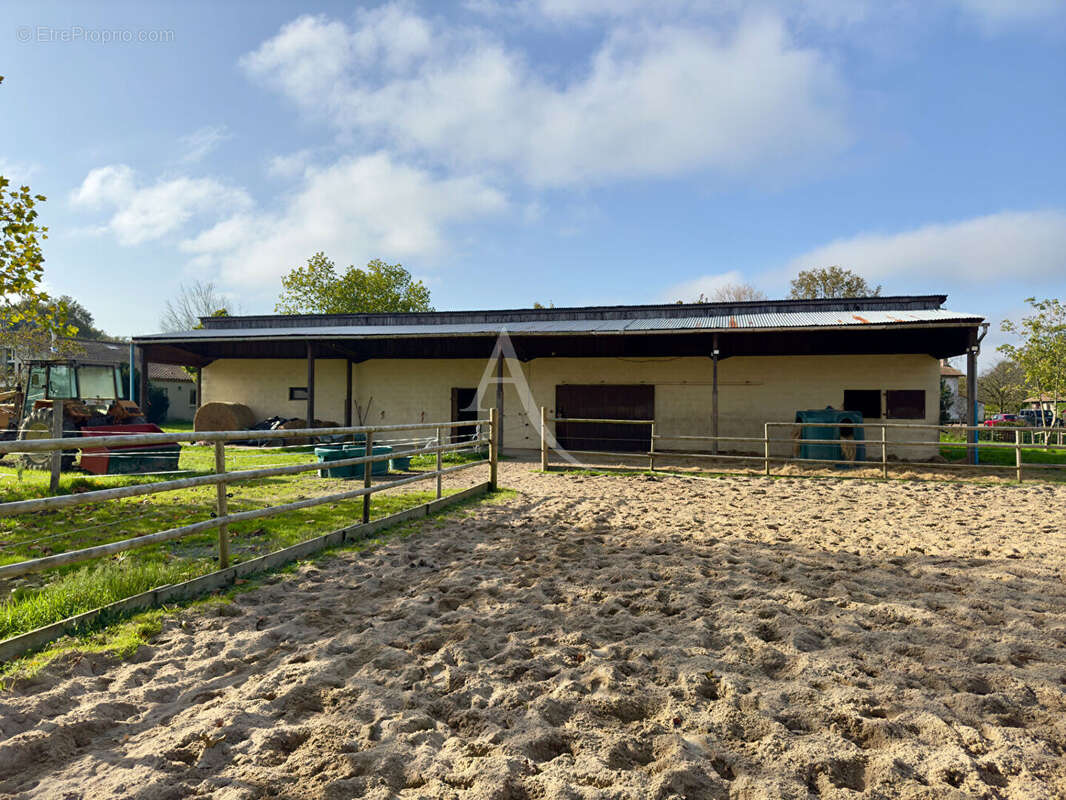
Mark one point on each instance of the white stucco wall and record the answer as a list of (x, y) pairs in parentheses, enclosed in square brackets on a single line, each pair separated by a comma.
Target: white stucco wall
[(178, 393)]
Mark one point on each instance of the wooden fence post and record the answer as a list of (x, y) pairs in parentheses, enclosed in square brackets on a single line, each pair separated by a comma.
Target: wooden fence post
[(440, 463), (651, 449), (766, 447), (367, 470), (884, 453), (1018, 454), (543, 439), (56, 461), (494, 448), (221, 505)]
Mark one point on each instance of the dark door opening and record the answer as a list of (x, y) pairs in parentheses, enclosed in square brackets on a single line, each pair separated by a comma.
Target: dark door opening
[(464, 407), (604, 402)]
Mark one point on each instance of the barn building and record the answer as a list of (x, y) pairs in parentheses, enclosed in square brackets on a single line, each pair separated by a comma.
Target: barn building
[(694, 369)]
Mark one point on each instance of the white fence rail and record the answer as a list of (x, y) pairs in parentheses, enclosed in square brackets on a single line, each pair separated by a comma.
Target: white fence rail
[(881, 445)]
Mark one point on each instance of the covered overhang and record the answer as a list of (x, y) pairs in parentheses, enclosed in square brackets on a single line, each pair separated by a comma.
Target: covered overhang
[(937, 339)]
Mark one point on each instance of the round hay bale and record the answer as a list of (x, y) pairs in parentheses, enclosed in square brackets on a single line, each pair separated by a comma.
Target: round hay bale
[(223, 417)]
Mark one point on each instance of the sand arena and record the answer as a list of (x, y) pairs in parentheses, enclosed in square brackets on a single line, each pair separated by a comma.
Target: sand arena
[(603, 637)]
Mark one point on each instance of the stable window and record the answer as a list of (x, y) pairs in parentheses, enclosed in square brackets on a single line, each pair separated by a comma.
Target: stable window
[(192, 397), (297, 392), (866, 401), (905, 404)]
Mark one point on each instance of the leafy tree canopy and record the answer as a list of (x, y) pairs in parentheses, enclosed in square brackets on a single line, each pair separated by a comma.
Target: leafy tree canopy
[(1041, 353), (830, 282), (23, 303), (1002, 387), (318, 289)]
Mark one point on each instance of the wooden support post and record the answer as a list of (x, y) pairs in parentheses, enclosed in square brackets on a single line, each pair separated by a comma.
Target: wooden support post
[(494, 448), (142, 381), (714, 397), (971, 398), (367, 469), (651, 449), (543, 439), (440, 462), (766, 447), (56, 461), (348, 396), (1018, 454), (884, 452), (221, 505), (499, 401), (310, 386), (199, 386)]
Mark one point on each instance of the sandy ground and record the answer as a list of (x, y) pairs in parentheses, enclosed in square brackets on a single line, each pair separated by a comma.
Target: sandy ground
[(604, 637)]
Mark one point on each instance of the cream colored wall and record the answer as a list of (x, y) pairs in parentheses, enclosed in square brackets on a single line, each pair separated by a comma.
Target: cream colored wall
[(752, 390), (263, 384)]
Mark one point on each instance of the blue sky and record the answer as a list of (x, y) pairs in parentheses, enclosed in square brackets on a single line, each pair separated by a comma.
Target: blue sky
[(568, 151)]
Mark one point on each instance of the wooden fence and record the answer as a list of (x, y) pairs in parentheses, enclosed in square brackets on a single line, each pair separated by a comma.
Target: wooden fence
[(881, 445), (221, 479), (222, 519)]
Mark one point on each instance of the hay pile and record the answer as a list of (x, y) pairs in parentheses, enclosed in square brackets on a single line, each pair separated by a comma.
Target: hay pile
[(223, 417)]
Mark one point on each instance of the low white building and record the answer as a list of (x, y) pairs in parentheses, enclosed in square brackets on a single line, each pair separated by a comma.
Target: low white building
[(693, 369)]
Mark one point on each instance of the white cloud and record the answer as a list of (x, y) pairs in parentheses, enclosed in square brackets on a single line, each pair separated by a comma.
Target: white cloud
[(289, 165), (652, 100), (998, 248), (354, 210), (144, 213), (17, 172), (198, 144), (690, 291)]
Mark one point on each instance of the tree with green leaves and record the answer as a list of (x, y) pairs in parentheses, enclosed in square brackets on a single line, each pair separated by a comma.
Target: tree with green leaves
[(1002, 387), (1041, 353), (23, 303), (831, 281), (380, 287)]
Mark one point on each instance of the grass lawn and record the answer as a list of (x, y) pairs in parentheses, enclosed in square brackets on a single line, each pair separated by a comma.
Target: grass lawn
[(122, 637), (177, 426), (1004, 456), (39, 599)]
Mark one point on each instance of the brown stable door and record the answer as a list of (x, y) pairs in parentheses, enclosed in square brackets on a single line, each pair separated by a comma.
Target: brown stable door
[(604, 402)]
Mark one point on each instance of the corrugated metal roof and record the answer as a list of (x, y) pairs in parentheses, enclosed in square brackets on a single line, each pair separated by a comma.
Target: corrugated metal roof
[(799, 319)]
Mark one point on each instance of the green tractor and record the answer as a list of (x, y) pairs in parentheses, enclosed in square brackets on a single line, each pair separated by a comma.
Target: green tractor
[(90, 398)]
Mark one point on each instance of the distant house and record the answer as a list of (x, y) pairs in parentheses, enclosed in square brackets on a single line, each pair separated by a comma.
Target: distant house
[(179, 388), (949, 379)]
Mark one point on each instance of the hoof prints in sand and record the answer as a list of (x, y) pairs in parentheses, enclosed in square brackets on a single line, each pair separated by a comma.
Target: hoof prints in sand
[(604, 637)]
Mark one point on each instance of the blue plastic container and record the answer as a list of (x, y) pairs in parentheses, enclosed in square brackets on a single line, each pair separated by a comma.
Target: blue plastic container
[(325, 454), (843, 428)]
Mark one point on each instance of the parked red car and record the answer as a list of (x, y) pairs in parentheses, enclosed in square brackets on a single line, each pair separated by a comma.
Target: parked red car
[(999, 419)]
